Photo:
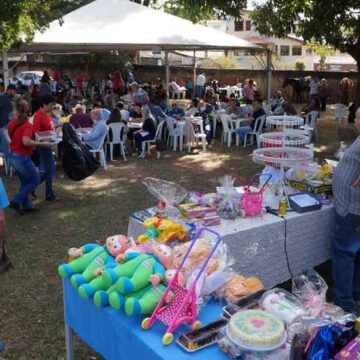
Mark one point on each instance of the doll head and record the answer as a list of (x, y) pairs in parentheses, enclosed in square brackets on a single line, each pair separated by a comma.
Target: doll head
[(117, 244), (169, 274), (164, 253)]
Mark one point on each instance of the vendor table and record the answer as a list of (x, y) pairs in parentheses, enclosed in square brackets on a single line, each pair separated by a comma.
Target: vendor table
[(119, 337), (258, 244)]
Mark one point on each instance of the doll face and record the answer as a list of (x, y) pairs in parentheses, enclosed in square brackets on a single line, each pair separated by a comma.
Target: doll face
[(117, 244), (169, 274), (164, 253)]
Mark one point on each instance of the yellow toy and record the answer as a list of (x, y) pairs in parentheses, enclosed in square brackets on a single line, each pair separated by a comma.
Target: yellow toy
[(162, 230)]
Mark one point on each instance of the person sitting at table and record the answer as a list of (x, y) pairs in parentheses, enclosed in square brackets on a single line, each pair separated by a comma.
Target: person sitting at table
[(156, 111), (115, 117), (194, 107), (147, 132), (257, 112), (276, 100), (79, 119), (105, 113), (233, 109), (176, 112), (93, 138), (314, 105), (125, 114), (136, 113)]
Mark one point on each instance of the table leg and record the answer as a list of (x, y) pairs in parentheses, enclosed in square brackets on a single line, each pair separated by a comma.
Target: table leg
[(69, 345), (181, 142)]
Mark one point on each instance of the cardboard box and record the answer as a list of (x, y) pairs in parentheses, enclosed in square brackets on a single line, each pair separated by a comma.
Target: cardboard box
[(309, 186), (195, 211), (351, 351)]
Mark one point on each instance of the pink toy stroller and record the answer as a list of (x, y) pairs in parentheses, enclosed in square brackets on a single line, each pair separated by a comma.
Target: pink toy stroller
[(182, 308), (251, 202)]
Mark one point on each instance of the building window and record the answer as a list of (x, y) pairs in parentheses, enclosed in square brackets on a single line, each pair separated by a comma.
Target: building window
[(247, 25), (308, 51), (284, 50), (239, 25), (296, 50)]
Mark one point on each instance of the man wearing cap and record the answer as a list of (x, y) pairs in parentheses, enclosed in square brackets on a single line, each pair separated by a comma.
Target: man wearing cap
[(139, 96), (6, 108), (79, 119), (43, 122)]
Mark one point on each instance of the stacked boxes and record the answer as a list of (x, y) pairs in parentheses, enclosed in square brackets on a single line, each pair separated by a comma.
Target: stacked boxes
[(206, 215)]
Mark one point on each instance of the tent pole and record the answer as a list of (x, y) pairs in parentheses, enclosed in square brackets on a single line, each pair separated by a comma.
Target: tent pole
[(167, 73), (5, 68), (268, 74), (194, 75)]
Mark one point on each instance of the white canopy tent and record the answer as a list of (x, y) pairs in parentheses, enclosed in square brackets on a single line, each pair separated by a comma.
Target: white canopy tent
[(113, 25)]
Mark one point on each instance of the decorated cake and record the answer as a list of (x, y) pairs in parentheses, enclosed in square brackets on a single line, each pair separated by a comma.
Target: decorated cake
[(256, 329)]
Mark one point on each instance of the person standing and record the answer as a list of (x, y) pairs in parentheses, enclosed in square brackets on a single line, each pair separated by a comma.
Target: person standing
[(43, 122), (346, 232), (248, 92), (200, 85), (314, 87), (6, 108), (323, 94), (4, 258), (21, 133)]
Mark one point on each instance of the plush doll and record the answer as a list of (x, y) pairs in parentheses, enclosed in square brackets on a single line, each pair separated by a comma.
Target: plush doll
[(139, 270), (90, 259), (162, 230), (144, 301), (98, 287)]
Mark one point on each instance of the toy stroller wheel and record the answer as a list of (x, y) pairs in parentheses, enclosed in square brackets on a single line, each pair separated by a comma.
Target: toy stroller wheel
[(196, 325), (167, 338), (145, 323)]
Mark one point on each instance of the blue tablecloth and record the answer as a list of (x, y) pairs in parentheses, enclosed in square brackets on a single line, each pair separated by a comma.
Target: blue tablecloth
[(116, 336)]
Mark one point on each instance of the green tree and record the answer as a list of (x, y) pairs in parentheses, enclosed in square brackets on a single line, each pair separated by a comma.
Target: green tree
[(300, 65), (323, 52), (333, 23)]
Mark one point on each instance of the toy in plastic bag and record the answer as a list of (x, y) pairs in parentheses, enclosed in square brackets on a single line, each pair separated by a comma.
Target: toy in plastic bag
[(169, 194), (311, 289), (228, 208)]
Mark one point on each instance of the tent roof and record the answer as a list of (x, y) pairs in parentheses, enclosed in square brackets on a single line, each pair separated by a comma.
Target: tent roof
[(105, 25)]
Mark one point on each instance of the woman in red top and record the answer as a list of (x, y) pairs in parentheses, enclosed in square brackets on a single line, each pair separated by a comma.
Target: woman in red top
[(21, 134)]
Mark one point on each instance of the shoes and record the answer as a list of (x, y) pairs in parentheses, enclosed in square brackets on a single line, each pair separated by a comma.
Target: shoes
[(141, 155), (16, 207), (52, 197), (30, 210)]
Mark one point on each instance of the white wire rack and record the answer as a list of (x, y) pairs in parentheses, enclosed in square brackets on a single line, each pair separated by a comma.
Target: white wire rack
[(282, 139), (284, 121)]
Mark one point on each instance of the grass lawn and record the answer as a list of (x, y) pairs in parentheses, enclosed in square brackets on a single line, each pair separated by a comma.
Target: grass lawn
[(31, 310)]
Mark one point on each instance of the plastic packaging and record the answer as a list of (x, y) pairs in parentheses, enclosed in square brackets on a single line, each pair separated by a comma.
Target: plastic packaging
[(169, 194), (311, 289), (228, 208), (282, 304)]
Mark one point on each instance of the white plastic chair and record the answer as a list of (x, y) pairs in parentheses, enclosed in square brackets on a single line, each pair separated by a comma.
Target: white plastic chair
[(310, 120), (100, 150), (197, 136), (117, 130), (339, 114), (228, 129), (7, 166), (258, 129), (174, 133), (147, 143)]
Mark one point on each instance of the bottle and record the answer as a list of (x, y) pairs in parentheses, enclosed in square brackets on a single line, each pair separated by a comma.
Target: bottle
[(282, 207)]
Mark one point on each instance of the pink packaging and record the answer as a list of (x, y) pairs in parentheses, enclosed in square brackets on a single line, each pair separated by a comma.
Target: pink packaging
[(351, 351)]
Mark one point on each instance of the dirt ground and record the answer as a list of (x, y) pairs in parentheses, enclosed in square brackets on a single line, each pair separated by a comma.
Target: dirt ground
[(31, 309)]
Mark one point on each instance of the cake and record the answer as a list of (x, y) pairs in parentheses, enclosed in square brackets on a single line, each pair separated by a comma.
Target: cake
[(256, 328)]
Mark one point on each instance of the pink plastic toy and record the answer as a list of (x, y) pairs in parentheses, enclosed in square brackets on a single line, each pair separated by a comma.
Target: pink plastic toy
[(182, 307), (251, 202)]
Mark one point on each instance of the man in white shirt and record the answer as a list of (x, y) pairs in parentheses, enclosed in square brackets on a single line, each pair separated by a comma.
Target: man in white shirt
[(200, 85)]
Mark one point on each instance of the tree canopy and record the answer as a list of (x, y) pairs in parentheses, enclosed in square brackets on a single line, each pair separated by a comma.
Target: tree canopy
[(334, 23)]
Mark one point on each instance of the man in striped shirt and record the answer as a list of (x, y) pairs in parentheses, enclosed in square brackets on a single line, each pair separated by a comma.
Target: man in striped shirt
[(346, 237)]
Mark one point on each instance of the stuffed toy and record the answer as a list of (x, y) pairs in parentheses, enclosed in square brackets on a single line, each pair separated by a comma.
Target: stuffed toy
[(91, 259), (144, 301), (162, 230), (98, 287), (139, 270)]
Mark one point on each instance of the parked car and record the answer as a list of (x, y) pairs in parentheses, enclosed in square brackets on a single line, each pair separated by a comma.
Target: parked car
[(27, 76)]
